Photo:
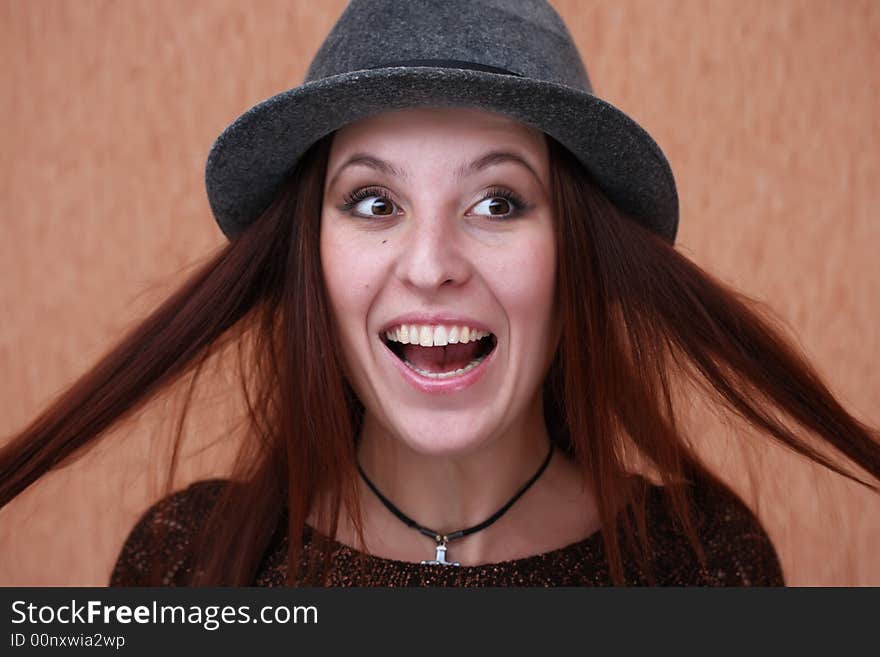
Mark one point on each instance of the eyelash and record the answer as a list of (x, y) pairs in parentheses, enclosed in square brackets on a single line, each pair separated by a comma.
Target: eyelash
[(519, 205)]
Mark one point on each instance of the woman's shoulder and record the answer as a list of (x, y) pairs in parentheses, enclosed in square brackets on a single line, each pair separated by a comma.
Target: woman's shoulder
[(738, 550), (158, 550)]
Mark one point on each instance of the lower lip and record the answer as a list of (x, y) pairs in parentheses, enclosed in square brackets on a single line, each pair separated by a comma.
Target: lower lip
[(441, 386)]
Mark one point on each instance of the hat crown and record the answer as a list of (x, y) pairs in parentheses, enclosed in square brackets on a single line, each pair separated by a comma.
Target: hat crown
[(525, 37)]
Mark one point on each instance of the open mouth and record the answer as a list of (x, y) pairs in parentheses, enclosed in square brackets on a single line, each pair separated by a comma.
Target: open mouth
[(439, 352)]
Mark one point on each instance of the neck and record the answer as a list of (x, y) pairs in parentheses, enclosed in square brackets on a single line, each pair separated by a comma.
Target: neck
[(453, 492)]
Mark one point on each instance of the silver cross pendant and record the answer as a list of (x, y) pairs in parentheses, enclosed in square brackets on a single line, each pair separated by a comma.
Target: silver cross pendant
[(440, 558)]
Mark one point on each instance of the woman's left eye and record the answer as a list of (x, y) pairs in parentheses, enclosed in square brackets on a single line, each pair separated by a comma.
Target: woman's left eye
[(501, 204)]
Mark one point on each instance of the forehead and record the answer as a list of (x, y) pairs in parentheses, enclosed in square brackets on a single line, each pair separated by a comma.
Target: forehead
[(438, 133)]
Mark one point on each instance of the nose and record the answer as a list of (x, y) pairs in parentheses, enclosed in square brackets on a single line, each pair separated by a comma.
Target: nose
[(432, 255)]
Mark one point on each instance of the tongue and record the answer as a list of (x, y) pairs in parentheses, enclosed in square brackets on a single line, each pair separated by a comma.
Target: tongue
[(440, 359)]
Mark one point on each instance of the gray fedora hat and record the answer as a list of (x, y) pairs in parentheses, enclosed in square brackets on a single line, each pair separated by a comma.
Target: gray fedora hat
[(513, 57)]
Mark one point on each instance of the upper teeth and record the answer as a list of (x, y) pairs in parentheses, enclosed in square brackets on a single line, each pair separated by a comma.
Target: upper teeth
[(434, 336)]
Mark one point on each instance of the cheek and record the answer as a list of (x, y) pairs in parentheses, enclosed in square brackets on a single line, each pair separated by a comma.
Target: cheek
[(525, 286), (525, 279), (352, 274)]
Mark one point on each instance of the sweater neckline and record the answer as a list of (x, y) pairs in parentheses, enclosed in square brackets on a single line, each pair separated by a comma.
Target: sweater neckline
[(341, 550)]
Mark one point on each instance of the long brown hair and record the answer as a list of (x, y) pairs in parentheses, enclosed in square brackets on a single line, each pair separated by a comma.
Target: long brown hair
[(639, 321)]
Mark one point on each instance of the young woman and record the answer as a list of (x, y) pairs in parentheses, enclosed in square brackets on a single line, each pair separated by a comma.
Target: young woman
[(471, 335)]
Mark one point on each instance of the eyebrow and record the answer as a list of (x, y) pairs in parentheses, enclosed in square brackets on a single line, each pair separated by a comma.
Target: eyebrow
[(483, 162)]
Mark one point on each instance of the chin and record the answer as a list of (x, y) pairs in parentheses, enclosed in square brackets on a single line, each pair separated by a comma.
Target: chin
[(451, 435)]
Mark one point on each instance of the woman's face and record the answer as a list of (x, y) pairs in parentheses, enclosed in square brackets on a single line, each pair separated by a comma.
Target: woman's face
[(438, 252)]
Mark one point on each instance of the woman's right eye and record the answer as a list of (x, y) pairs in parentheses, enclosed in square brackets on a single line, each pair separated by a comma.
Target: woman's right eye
[(370, 202)]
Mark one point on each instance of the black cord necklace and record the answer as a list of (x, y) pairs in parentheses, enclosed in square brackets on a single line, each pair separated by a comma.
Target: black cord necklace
[(443, 539)]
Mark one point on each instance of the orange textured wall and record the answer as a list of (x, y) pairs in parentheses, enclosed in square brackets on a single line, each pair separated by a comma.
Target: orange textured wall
[(769, 113)]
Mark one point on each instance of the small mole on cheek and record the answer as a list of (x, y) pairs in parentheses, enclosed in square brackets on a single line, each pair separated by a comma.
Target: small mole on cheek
[(383, 241)]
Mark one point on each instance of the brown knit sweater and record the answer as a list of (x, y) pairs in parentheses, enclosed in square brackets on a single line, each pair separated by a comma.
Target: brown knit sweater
[(738, 552)]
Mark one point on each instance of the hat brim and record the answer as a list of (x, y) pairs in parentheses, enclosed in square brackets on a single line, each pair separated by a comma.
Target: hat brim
[(254, 155)]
